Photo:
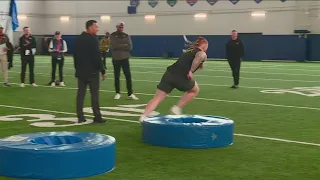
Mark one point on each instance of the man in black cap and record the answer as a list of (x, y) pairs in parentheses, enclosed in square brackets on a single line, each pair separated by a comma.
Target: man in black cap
[(88, 65), (235, 53), (57, 47)]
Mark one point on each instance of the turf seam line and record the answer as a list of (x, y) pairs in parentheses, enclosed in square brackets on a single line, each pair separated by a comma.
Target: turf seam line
[(124, 120), (200, 98)]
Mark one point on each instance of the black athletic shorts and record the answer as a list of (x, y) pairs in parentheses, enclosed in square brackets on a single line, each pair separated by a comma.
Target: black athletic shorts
[(170, 81)]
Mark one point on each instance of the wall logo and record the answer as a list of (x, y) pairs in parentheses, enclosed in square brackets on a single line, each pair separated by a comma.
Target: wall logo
[(49, 120), (212, 2), (234, 2), (304, 91), (153, 3)]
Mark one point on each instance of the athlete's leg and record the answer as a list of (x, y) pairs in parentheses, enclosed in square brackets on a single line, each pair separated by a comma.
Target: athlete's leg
[(153, 103), (186, 98)]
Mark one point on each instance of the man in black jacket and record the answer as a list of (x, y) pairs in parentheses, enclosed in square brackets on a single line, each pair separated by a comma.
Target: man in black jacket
[(27, 50), (235, 53), (88, 65)]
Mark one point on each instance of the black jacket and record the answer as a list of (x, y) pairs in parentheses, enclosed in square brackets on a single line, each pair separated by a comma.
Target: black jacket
[(27, 43), (87, 57), (234, 49)]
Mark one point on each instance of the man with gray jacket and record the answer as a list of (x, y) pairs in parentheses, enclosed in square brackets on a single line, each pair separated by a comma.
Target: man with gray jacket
[(121, 45)]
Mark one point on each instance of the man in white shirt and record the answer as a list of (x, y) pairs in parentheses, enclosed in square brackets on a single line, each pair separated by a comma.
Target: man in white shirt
[(4, 41), (57, 47)]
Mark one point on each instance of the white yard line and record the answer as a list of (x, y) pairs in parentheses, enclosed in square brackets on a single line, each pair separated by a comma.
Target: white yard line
[(206, 99), (131, 121), (213, 76), (144, 80)]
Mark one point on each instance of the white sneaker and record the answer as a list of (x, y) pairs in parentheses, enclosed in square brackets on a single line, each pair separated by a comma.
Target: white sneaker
[(22, 85), (142, 118), (34, 85), (117, 96), (62, 84), (53, 84), (132, 96), (176, 110)]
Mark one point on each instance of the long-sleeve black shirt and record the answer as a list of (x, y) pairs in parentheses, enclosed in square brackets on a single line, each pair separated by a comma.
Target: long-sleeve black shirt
[(234, 49), (27, 44), (87, 57)]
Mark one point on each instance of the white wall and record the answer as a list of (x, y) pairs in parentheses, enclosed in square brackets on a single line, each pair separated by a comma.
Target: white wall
[(281, 18), (175, 20)]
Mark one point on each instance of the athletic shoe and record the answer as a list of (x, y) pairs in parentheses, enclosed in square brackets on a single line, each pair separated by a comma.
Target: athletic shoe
[(34, 85), (6, 85), (53, 84), (176, 110), (22, 85), (62, 84), (100, 121), (117, 96), (142, 118), (132, 96), (235, 86)]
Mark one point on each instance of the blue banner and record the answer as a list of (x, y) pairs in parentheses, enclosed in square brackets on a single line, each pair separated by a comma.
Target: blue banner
[(258, 1), (212, 2), (234, 1), (172, 2), (153, 3), (13, 13), (134, 2), (192, 2)]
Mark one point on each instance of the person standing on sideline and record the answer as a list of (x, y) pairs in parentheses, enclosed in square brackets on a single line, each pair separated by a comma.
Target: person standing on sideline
[(88, 65), (27, 45), (104, 48), (235, 53), (57, 47), (121, 45), (4, 45)]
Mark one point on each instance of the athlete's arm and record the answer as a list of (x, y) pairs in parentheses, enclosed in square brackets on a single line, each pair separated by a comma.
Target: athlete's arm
[(198, 60)]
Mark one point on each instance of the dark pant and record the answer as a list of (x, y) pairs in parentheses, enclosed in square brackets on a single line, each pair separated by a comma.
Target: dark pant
[(25, 61), (103, 58), (235, 64), (54, 62), (117, 65), (94, 85)]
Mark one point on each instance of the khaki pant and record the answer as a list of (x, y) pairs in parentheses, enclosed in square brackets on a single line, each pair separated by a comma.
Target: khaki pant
[(4, 67)]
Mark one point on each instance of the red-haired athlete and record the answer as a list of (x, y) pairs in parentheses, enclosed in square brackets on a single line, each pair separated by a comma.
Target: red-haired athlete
[(179, 76)]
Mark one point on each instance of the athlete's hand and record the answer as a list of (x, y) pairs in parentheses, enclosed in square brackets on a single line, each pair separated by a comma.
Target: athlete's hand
[(103, 76), (190, 75)]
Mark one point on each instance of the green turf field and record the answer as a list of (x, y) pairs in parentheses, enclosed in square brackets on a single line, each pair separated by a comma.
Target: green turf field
[(277, 134)]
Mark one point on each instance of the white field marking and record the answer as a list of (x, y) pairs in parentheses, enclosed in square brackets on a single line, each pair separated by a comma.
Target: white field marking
[(137, 122), (249, 72), (214, 69), (206, 99), (215, 76), (143, 80)]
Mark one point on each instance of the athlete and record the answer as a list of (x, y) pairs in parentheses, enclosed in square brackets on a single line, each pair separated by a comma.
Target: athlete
[(180, 76)]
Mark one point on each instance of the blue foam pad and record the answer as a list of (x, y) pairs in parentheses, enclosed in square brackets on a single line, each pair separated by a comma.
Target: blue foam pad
[(188, 131), (57, 155)]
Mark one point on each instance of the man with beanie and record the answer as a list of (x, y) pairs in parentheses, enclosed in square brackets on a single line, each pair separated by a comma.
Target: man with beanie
[(4, 45), (88, 66), (57, 47), (121, 45)]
